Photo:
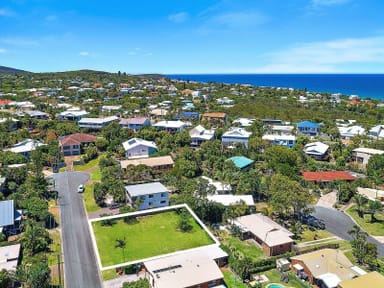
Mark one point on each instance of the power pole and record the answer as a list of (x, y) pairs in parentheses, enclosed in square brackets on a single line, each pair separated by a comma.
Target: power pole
[(59, 268)]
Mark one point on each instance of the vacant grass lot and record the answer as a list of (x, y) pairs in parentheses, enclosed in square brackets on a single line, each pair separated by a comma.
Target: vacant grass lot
[(149, 236), (89, 165), (374, 229)]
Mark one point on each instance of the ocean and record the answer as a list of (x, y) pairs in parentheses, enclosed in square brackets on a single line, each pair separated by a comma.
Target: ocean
[(363, 85)]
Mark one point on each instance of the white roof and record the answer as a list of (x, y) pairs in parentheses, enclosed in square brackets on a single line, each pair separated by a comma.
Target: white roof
[(369, 151), (3, 120), (298, 267), (244, 122), (316, 148), (265, 229), (9, 257), (27, 145), (276, 137), (219, 186), (145, 189), (73, 112), (371, 194), (351, 131), (378, 131), (229, 199), (134, 142), (282, 128), (98, 120), (330, 279), (183, 270), (170, 124), (358, 270), (202, 133), (237, 132)]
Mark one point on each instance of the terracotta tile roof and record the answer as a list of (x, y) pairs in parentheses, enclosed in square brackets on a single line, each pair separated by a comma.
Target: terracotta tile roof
[(328, 176), (215, 115), (5, 101), (77, 138)]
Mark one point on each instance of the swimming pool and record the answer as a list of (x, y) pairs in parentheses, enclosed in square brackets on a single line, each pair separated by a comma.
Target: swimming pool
[(275, 285)]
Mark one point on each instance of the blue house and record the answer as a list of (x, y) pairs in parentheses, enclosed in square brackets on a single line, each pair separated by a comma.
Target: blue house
[(186, 115), (308, 128), (148, 195), (241, 162), (135, 123)]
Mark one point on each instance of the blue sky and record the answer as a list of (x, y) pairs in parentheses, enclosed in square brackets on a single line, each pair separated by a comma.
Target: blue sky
[(193, 36)]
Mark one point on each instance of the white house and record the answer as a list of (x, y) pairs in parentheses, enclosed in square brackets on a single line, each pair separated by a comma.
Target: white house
[(377, 132), (220, 187), (72, 114), (282, 129), (236, 135), (317, 150), (362, 155), (347, 133), (9, 257), (199, 135), (243, 122), (284, 140), (228, 200), (139, 148), (148, 195), (25, 147), (96, 123), (171, 126)]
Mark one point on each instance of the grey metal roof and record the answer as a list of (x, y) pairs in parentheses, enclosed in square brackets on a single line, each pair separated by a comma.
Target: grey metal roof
[(145, 189), (7, 214)]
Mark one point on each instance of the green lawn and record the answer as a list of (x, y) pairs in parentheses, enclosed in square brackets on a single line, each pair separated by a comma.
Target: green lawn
[(96, 175), (232, 281), (109, 274), (245, 247), (309, 235), (150, 236), (374, 229), (90, 164), (274, 277), (90, 203)]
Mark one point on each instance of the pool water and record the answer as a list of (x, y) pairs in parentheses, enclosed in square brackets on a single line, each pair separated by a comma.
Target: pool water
[(274, 285)]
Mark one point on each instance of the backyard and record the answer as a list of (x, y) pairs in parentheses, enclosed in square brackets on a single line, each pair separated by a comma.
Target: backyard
[(145, 237)]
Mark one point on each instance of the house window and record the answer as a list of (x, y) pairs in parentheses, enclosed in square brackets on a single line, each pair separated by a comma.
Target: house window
[(150, 196), (66, 147), (163, 201), (163, 194)]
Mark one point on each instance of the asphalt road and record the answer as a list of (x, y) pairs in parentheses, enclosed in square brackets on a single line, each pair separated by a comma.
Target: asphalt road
[(80, 267), (338, 223)]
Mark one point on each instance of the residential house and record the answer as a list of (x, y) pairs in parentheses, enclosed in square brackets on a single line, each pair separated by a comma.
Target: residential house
[(273, 122), (371, 279), (73, 114), (243, 122), (371, 194), (148, 195), (135, 123), (215, 118), (234, 136), (377, 132), (317, 150), (228, 200), (308, 128), (96, 123), (2, 183), (170, 126), (158, 164), (10, 218), (220, 188), (282, 129), (347, 133), (361, 155), (188, 116), (199, 135), (9, 257), (11, 124), (328, 176), (185, 270), (325, 268), (225, 101), (158, 113), (139, 148), (38, 115), (25, 147), (110, 108), (283, 140), (271, 236), (241, 162), (72, 144)]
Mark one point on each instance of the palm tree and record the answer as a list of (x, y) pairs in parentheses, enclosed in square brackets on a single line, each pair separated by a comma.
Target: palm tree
[(360, 202), (121, 243)]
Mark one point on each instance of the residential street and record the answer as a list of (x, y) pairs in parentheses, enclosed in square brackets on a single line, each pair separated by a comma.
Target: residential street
[(80, 268), (338, 223)]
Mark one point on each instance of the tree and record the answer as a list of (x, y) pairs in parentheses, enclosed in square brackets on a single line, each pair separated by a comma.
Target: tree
[(283, 160), (375, 166), (141, 283), (35, 238), (121, 243), (38, 275), (185, 222), (360, 202), (358, 243), (373, 207), (5, 279), (37, 208)]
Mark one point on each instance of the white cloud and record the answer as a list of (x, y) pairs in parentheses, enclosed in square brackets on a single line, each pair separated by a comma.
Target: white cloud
[(317, 3), (328, 56), (178, 17), (19, 41), (2, 51), (84, 53)]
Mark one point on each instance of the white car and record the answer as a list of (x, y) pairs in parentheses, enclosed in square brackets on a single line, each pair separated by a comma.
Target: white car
[(80, 189)]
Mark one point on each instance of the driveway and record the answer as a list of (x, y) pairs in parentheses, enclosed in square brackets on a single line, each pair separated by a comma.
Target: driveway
[(338, 223), (80, 267)]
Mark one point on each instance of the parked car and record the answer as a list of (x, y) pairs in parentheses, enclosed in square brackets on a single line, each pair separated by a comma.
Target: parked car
[(80, 189), (115, 206)]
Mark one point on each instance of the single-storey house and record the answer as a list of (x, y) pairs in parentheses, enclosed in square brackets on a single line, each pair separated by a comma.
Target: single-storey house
[(347, 133), (9, 257), (158, 113), (241, 162), (361, 155), (199, 135), (243, 122), (308, 128), (10, 218), (139, 148), (148, 195), (271, 236), (325, 268), (135, 123), (158, 164), (215, 118), (236, 135), (72, 144), (170, 126), (96, 123), (229, 199), (38, 115), (371, 194), (317, 150), (72, 114), (281, 129), (220, 188), (25, 147), (185, 270), (283, 140), (327, 176), (371, 279), (377, 132)]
